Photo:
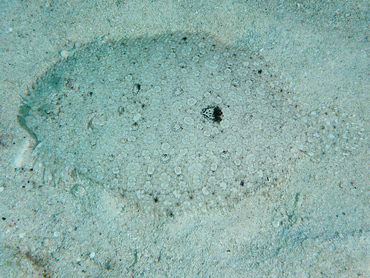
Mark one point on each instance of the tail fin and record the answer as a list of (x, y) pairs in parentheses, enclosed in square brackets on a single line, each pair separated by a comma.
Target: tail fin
[(330, 131)]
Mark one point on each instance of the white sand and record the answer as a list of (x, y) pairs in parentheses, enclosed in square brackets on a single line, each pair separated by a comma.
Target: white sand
[(315, 225)]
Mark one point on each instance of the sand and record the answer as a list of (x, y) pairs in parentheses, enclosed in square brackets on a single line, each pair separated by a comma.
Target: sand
[(314, 224)]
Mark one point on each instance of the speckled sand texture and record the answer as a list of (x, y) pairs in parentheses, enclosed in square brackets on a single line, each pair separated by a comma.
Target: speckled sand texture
[(176, 123)]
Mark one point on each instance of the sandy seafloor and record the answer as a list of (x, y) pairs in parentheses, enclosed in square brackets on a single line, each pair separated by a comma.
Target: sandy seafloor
[(314, 225)]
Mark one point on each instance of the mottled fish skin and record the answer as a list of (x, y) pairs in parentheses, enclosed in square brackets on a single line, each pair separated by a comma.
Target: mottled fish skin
[(177, 123)]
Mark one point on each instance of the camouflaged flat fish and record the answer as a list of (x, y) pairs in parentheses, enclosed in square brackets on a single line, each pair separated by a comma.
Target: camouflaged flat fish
[(177, 123)]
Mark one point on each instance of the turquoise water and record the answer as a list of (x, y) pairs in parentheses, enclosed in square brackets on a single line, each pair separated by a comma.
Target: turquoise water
[(312, 224)]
